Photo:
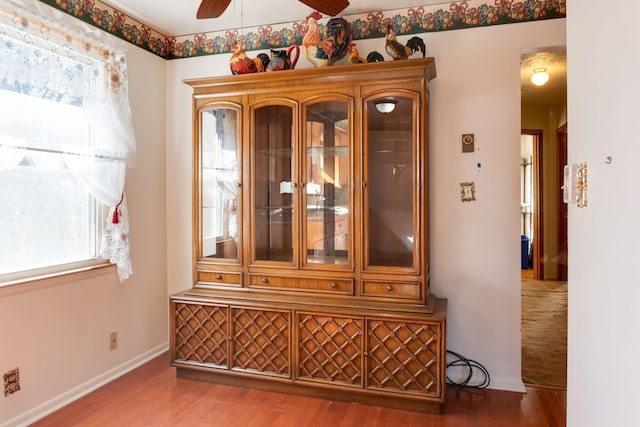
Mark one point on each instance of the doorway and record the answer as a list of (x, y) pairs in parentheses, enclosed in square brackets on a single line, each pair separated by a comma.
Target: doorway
[(543, 142), (531, 204)]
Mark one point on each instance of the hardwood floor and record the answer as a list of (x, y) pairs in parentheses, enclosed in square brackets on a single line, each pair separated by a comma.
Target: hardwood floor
[(151, 395)]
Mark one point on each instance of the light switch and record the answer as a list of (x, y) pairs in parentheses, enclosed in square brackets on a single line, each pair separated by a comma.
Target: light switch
[(569, 186), (574, 188)]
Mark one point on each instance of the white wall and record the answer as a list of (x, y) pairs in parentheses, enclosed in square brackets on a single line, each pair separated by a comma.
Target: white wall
[(57, 331), (475, 247), (604, 265)]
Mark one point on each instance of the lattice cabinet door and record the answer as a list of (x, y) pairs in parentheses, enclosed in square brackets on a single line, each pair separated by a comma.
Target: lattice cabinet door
[(261, 341), (405, 357), (201, 334), (330, 349)]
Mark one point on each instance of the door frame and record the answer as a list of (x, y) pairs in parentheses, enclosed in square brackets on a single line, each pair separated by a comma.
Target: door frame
[(537, 243), (563, 245)]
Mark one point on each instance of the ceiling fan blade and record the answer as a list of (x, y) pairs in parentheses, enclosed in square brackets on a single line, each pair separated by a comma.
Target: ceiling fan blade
[(327, 7), (212, 8)]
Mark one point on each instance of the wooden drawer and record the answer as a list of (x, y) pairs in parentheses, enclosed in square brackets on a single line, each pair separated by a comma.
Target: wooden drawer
[(220, 278), (391, 289), (306, 284)]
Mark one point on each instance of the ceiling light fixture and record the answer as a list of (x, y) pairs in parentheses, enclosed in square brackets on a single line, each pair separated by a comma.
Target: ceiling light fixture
[(386, 106), (540, 76)]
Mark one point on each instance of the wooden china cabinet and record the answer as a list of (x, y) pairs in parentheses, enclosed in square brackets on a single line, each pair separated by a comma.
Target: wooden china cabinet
[(311, 272)]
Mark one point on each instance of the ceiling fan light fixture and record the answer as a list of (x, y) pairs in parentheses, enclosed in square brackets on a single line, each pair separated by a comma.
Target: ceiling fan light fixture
[(386, 106), (539, 76), (327, 7)]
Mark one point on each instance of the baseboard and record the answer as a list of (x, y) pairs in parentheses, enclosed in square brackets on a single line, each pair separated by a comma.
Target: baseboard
[(76, 393), (505, 384)]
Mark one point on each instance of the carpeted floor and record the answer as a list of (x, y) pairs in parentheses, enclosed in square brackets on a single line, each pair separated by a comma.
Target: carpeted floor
[(544, 333)]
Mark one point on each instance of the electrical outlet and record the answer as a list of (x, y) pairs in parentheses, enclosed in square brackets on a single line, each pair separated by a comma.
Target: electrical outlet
[(113, 340), (11, 382)]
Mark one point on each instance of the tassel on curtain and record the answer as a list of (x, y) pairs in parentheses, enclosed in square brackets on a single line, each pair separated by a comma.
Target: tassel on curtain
[(99, 85), (115, 241)]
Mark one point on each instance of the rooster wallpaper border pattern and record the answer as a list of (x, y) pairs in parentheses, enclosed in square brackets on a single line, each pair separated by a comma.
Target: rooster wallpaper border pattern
[(423, 19)]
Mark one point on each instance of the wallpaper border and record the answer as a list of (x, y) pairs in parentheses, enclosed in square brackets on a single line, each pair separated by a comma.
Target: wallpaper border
[(423, 19)]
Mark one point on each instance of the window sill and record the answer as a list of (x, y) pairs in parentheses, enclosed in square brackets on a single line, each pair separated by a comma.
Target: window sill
[(43, 281)]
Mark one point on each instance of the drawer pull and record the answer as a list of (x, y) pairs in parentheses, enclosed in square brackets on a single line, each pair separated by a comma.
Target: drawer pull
[(334, 285), (265, 280), (389, 288), (218, 277)]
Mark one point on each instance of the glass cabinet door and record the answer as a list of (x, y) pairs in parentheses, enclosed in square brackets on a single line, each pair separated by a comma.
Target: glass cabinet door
[(327, 183), (389, 186), (219, 184), (273, 184)]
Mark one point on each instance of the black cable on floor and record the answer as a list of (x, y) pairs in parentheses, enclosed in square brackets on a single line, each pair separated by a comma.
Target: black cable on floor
[(471, 366)]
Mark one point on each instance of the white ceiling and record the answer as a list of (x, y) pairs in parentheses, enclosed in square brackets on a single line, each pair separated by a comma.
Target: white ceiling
[(178, 17)]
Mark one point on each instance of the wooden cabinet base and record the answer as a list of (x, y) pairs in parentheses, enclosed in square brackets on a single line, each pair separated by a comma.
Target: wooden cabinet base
[(359, 354), (329, 393)]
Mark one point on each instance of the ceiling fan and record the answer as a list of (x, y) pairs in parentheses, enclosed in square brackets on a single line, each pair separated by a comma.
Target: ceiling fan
[(215, 8)]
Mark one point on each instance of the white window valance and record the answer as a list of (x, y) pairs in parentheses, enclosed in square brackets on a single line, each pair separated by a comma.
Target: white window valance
[(46, 54)]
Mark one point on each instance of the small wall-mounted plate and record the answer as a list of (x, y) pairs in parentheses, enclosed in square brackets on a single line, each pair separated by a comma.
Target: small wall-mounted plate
[(581, 186), (467, 191), (11, 382), (468, 143)]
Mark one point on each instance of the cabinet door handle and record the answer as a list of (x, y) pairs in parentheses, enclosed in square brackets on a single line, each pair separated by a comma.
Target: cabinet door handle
[(218, 277), (265, 280), (389, 287), (364, 184), (334, 285), (239, 184)]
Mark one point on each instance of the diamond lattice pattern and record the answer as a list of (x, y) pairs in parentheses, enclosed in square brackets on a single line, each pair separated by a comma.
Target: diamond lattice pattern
[(404, 356), (261, 341), (201, 334), (330, 349)]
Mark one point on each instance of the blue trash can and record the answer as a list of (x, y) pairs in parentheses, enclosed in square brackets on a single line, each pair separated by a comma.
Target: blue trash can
[(524, 252)]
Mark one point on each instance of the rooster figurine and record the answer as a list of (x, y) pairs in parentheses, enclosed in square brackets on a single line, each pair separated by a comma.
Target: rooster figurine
[(240, 63), (332, 46), (375, 56), (354, 56), (398, 51)]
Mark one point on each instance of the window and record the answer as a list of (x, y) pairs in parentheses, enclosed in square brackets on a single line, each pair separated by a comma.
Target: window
[(48, 217), (65, 141)]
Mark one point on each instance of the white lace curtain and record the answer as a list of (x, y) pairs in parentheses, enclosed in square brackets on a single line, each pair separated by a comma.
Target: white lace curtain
[(48, 55)]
